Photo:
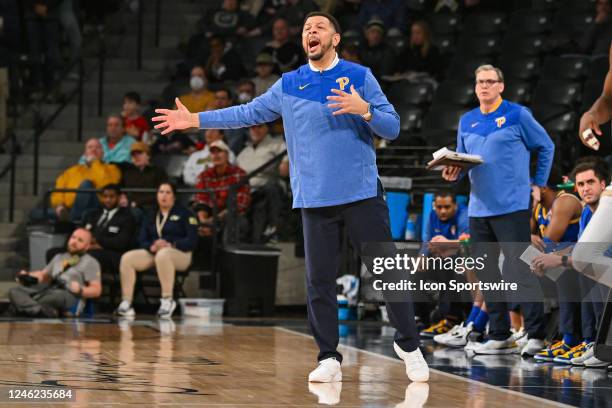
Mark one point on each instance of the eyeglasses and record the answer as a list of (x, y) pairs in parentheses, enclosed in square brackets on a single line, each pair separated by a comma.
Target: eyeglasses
[(487, 82)]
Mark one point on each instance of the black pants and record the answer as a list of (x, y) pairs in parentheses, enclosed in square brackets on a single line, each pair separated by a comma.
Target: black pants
[(507, 230), (366, 221), (265, 209)]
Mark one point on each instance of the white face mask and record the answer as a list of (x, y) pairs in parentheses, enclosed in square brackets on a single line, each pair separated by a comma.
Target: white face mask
[(244, 97), (196, 83)]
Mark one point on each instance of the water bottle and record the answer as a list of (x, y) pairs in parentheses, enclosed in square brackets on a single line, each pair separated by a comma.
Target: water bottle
[(411, 228)]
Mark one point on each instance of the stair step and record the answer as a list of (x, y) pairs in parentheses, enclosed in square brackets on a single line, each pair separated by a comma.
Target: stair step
[(9, 230), (21, 188), (44, 160), (9, 244), (19, 215), (56, 148)]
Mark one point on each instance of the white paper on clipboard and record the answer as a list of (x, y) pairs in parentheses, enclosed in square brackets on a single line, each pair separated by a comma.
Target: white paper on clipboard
[(532, 253)]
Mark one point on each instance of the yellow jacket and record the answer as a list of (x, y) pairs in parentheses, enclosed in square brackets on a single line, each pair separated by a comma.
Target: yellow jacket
[(99, 173)]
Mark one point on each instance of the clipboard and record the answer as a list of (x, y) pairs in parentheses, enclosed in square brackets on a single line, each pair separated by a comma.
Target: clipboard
[(445, 157)]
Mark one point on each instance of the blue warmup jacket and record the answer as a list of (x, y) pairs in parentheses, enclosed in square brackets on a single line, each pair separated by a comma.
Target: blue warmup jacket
[(504, 138), (332, 158), (451, 229)]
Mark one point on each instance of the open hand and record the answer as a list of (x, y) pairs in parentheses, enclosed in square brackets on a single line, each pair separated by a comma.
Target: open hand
[(177, 119), (347, 103)]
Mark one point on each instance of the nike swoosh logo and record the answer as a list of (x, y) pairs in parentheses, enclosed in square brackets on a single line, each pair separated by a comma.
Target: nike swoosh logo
[(474, 124), (303, 86)]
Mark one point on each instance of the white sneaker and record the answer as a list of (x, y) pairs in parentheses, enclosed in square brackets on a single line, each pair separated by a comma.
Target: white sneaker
[(416, 366), (328, 371), (532, 347), (507, 346), (594, 362), (456, 337), (416, 395), (166, 308), (520, 337), (588, 353), (328, 393), (125, 309)]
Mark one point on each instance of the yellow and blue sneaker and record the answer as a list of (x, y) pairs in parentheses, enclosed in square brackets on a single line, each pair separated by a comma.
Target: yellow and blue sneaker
[(443, 326), (549, 354), (574, 352)]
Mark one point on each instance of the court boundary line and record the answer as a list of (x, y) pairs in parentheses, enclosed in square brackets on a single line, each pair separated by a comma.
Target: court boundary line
[(443, 373)]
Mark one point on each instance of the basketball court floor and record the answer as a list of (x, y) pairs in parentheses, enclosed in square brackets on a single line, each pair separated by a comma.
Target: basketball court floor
[(264, 363)]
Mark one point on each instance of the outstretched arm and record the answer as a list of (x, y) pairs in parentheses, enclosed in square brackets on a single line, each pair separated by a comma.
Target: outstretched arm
[(599, 113)]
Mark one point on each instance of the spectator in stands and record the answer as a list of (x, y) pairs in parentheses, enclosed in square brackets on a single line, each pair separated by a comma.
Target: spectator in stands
[(68, 277), (140, 173), (447, 222), (224, 63), (116, 144), (226, 21), (264, 67), (376, 54), (173, 143), (498, 209), (219, 178), (391, 14), (293, 11), (421, 55), (134, 123), (286, 54), (112, 228), (43, 35), (201, 160), (93, 172), (350, 52), (235, 138), (168, 236), (266, 190), (596, 39), (245, 91), (200, 98)]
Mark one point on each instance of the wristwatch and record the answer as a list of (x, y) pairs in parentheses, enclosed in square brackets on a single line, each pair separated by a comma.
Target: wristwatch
[(564, 260), (368, 115)]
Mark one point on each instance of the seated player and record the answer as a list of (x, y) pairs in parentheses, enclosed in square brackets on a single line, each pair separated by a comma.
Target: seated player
[(56, 289)]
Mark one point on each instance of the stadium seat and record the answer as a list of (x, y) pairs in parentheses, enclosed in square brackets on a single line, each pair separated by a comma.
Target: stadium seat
[(455, 92), (463, 68), (485, 23), (590, 92), (445, 24), (544, 5), (598, 68), (530, 22), (524, 69), (571, 22), (443, 117), (517, 91), (479, 45), (439, 138), (352, 37), (446, 44), (572, 68), (410, 118), (557, 92), (397, 42), (523, 45), (555, 118), (403, 93)]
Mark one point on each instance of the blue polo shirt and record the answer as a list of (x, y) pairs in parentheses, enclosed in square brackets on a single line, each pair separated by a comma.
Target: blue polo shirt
[(505, 139), (332, 159)]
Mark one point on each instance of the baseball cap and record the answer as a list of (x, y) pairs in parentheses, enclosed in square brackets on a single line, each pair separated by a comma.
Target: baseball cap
[(376, 23), (219, 144), (264, 58), (140, 147)]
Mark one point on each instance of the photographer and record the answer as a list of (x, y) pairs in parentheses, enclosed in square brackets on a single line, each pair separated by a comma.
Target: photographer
[(56, 288)]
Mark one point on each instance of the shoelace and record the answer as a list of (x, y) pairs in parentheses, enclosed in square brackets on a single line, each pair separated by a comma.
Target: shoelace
[(438, 325), (556, 345)]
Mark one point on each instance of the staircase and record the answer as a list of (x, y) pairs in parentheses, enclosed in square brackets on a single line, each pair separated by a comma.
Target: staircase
[(59, 147)]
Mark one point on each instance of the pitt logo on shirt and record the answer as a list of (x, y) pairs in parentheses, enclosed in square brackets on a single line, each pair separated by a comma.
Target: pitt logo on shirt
[(343, 82), (500, 121)]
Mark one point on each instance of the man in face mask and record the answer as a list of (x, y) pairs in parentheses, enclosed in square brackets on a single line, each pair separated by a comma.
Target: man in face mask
[(245, 90), (200, 97)]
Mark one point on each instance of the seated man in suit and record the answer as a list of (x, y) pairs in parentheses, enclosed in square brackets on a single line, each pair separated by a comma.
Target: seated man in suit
[(112, 228)]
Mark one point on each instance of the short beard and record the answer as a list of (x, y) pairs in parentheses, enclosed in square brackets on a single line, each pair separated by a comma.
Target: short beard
[(320, 55)]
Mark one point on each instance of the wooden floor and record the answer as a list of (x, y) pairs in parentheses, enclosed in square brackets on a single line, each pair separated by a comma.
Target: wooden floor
[(195, 364)]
